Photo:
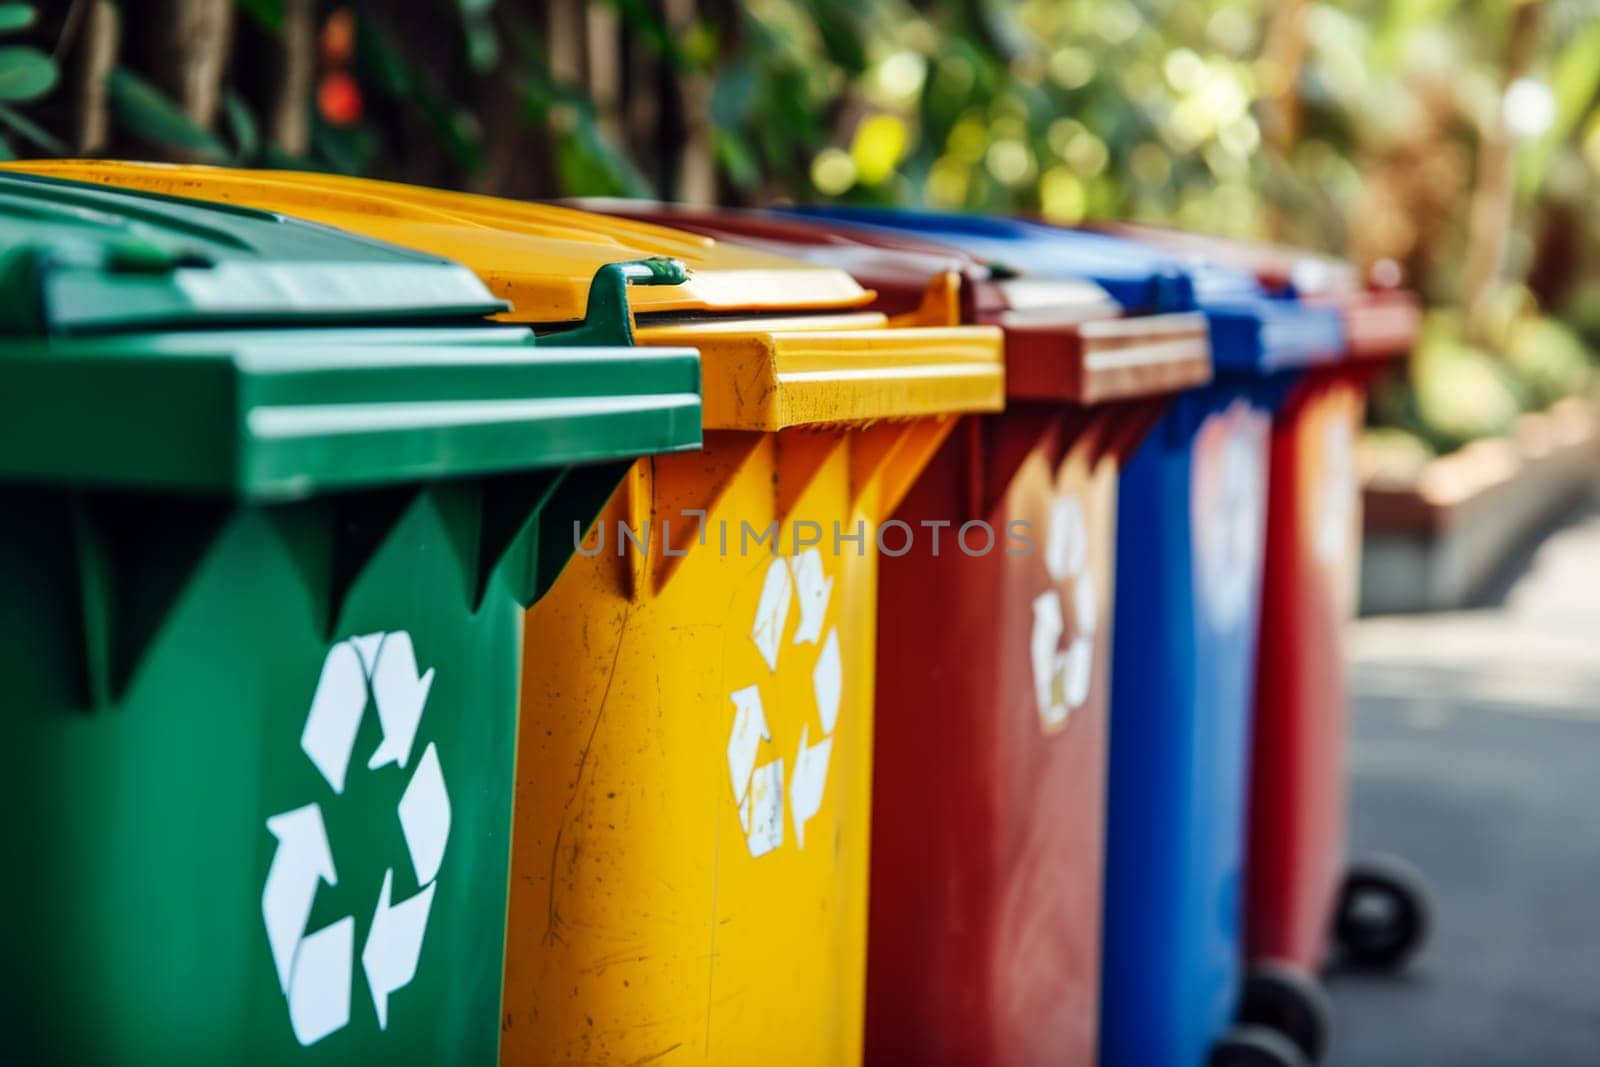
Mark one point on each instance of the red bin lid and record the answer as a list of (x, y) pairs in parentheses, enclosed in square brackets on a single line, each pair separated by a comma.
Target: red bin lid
[(1065, 340)]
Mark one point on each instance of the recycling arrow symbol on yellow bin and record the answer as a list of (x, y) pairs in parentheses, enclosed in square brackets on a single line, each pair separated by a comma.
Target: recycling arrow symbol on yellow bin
[(315, 968), (758, 790)]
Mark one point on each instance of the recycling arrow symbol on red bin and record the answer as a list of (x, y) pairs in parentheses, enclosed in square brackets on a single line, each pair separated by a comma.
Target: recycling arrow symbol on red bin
[(315, 968)]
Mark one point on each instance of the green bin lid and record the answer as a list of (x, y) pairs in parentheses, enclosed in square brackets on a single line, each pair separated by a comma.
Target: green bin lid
[(267, 417), (82, 258), (156, 344)]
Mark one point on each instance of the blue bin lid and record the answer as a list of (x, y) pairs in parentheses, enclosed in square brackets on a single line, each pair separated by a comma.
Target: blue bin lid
[(1251, 332)]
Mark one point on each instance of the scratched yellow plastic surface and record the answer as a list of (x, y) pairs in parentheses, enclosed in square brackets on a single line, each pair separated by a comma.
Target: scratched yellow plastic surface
[(689, 857), (493, 236), (690, 846), (674, 894)]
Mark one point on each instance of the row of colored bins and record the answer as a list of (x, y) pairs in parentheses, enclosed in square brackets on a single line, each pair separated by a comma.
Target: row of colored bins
[(1189, 532), (993, 682), (1225, 832), (658, 907)]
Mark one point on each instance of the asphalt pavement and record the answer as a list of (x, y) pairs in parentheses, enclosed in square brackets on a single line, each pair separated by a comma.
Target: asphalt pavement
[(1476, 755)]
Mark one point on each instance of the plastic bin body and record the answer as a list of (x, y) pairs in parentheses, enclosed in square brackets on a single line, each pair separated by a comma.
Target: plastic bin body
[(1298, 779), (264, 596), (700, 881), (1299, 771), (689, 866), (993, 667), (651, 897), (1190, 528), (151, 864), (988, 805)]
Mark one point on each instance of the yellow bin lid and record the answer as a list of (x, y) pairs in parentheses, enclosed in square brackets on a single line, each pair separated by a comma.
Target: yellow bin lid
[(782, 341)]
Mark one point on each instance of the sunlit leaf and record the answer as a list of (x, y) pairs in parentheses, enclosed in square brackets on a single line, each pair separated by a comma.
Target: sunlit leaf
[(839, 25), (483, 43), (588, 164), (1574, 80), (242, 125), (877, 147), (25, 73), (736, 160), (14, 17)]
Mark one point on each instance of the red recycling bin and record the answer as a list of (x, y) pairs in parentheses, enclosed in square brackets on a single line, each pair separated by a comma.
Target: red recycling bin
[(1297, 846), (1301, 901), (994, 649)]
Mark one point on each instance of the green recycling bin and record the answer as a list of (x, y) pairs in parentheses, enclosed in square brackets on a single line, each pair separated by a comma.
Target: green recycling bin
[(271, 499)]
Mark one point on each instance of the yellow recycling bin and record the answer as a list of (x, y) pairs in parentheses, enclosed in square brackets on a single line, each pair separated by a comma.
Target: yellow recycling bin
[(689, 862)]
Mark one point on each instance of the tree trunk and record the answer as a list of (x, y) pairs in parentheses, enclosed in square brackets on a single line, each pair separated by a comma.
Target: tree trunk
[(1494, 195), (288, 97), (182, 47)]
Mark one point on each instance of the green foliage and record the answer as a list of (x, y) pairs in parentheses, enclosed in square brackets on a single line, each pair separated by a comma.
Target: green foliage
[(148, 113), (1456, 392), (16, 17), (268, 14), (1392, 456), (477, 30), (586, 160), (1460, 393), (241, 127), (25, 73), (1574, 79), (1548, 358), (393, 75)]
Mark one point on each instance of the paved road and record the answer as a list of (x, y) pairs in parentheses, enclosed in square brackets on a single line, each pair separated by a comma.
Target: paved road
[(1477, 756)]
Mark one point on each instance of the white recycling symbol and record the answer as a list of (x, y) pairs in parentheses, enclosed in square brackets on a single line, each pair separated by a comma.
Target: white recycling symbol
[(1061, 677), (758, 791), (315, 968), (1232, 518), (1336, 493)]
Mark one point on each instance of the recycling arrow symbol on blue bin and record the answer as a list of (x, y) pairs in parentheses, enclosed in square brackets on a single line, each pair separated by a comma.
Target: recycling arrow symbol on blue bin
[(315, 968)]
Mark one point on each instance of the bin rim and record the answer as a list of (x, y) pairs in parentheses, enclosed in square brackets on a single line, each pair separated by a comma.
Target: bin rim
[(1052, 351), (1251, 332), (1141, 279), (839, 370), (263, 417), (1267, 335), (859, 249), (537, 256), (83, 258)]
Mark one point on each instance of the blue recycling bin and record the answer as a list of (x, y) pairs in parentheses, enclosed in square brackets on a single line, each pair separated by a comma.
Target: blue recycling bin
[(1191, 525)]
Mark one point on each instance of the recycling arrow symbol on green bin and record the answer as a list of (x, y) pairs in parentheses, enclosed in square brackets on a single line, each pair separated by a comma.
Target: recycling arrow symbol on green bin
[(315, 968)]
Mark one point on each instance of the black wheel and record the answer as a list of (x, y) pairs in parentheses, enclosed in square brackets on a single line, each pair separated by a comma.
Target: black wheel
[(1256, 1046), (1382, 917), (1286, 999)]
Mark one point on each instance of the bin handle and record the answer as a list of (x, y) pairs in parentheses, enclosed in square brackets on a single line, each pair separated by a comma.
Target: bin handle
[(22, 271), (24, 268), (607, 320)]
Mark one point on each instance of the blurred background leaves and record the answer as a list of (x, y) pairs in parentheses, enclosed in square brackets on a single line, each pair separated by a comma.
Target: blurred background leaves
[(1451, 145)]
